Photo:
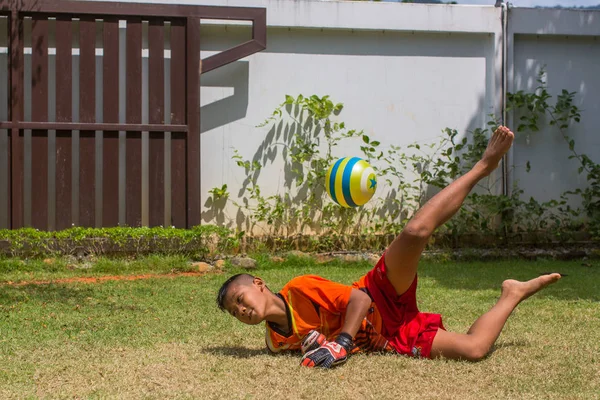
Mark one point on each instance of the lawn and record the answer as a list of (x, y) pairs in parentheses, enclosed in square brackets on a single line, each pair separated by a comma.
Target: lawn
[(164, 337)]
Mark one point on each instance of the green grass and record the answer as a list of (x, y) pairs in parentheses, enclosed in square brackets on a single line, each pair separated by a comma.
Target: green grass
[(165, 338)]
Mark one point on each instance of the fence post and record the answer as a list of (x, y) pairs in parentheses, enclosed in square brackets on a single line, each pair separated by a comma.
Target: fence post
[(193, 121), (15, 53)]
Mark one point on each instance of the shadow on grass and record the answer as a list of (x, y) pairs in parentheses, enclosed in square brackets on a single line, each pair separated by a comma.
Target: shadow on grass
[(503, 345), (580, 283), (45, 294), (243, 352), (235, 351)]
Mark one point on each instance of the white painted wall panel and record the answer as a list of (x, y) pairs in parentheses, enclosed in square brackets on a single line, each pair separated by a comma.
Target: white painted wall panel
[(573, 64)]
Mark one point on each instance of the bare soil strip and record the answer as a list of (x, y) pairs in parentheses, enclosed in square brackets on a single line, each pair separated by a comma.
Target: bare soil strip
[(101, 279)]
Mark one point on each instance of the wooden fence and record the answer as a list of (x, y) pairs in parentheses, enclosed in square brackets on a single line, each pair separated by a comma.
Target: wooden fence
[(74, 142)]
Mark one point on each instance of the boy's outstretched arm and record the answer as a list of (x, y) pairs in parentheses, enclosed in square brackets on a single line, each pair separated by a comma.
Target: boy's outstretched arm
[(357, 308), (403, 255)]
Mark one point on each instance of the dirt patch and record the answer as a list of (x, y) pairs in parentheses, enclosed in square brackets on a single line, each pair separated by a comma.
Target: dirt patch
[(101, 279)]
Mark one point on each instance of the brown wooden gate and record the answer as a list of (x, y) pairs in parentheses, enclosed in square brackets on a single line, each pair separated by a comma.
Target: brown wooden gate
[(182, 123)]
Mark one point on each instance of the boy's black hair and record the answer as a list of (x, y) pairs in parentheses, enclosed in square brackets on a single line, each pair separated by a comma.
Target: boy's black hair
[(225, 287)]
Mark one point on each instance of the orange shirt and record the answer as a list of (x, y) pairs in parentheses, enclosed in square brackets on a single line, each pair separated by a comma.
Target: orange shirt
[(313, 302)]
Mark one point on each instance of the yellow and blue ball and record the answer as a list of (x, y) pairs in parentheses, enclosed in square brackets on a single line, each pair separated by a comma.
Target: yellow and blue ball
[(351, 182)]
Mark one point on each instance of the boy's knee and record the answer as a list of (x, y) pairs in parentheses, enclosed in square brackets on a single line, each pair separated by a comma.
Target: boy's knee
[(476, 351), (417, 231)]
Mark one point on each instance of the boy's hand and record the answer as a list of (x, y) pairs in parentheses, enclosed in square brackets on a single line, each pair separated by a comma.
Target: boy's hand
[(329, 354), (313, 341)]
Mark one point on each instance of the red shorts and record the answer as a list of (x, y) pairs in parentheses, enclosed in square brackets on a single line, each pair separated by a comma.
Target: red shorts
[(409, 331)]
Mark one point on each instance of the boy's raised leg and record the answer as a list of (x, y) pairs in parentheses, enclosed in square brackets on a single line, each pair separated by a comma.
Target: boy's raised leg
[(476, 343), (402, 257)]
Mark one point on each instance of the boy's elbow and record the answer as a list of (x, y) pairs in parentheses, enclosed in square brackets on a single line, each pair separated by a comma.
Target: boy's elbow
[(361, 298)]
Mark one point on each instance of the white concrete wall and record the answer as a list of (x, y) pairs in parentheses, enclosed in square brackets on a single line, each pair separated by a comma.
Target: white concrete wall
[(406, 74), (403, 71)]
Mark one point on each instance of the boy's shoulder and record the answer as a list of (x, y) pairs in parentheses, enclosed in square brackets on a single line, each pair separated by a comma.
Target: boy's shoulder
[(316, 288), (304, 281)]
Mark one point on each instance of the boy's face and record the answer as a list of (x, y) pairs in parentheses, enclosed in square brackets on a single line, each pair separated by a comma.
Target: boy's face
[(247, 301)]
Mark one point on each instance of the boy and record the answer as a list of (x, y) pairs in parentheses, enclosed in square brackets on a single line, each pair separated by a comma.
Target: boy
[(328, 321)]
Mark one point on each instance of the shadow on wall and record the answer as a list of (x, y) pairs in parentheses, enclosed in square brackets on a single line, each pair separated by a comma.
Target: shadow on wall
[(222, 112), (266, 154), (277, 142), (368, 43), (230, 108)]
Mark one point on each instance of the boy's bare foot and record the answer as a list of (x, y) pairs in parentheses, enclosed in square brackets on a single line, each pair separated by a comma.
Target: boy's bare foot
[(498, 145), (522, 290)]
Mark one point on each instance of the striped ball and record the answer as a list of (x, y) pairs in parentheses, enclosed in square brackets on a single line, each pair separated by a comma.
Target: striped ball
[(351, 182)]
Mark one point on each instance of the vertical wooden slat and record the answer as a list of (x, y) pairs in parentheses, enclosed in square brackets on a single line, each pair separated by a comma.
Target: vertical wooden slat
[(156, 94), (87, 113), (64, 34), (134, 116), (193, 121), (16, 114), (178, 156), (110, 148), (4, 115), (39, 112)]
